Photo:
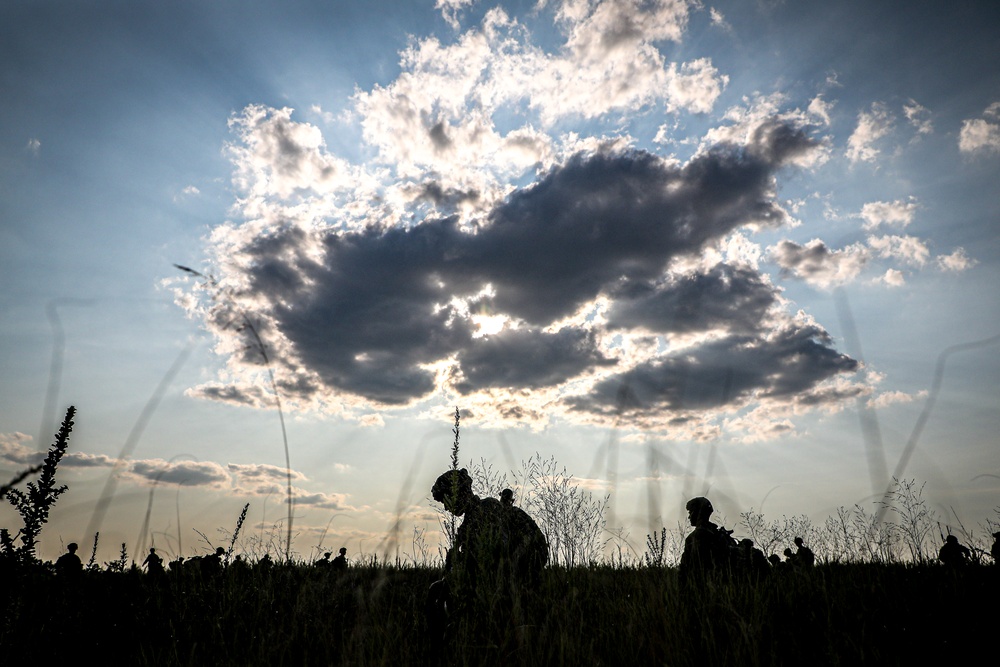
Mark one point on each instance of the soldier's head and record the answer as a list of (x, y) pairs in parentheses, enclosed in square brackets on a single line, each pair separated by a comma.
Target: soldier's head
[(699, 510), (798, 541), (454, 490), (72, 547), (507, 497), (787, 552), (951, 539), (343, 551)]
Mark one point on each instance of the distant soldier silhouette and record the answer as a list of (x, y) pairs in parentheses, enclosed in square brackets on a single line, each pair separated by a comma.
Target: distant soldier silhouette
[(803, 554), (954, 554), (69, 564), (324, 562), (497, 548), (212, 563), (707, 549), (340, 562), (790, 560), (154, 564), (751, 560), (995, 549), (529, 552)]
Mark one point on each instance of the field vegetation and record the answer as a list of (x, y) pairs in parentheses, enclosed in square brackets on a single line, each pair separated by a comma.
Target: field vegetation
[(877, 594)]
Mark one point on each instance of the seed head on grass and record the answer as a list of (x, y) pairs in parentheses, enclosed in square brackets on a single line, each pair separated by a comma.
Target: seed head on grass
[(258, 344), (236, 533)]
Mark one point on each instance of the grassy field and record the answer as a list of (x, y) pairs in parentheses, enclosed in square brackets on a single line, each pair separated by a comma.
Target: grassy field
[(287, 614), (878, 598)]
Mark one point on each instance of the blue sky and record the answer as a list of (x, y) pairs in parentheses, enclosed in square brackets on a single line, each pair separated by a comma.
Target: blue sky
[(722, 236)]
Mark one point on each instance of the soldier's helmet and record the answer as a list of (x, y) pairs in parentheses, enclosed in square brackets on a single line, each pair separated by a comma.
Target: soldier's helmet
[(450, 481), (699, 505)]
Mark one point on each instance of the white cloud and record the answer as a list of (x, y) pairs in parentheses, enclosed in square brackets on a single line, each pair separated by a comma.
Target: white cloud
[(719, 20), (820, 108), (898, 212), (14, 448), (919, 116), (450, 10), (33, 146), (908, 249), (872, 126), (980, 135), (893, 278), (888, 398), (819, 265), (956, 262)]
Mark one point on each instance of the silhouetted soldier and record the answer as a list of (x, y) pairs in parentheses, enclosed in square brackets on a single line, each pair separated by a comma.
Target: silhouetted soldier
[(324, 562), (995, 549), (154, 564), (954, 554), (340, 562), (751, 561), (790, 560), (707, 547), (177, 564), (803, 554), (496, 546), (775, 561), (69, 565), (529, 552)]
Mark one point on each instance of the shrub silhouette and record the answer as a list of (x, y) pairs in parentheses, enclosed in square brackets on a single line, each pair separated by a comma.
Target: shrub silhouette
[(35, 504)]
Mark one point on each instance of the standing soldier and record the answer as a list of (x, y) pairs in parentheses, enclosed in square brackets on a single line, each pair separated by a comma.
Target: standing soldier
[(803, 554), (340, 562), (706, 548), (69, 565), (154, 564)]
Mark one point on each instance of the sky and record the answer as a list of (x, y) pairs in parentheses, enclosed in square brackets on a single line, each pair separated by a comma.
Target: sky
[(741, 249)]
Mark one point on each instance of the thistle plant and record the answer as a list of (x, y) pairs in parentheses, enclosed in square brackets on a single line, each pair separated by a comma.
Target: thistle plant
[(35, 504)]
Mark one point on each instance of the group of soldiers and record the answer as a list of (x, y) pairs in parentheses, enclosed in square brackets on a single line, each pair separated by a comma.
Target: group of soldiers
[(499, 546), (710, 549)]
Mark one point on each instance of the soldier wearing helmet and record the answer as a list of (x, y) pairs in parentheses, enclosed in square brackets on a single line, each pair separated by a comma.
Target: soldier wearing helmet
[(706, 548)]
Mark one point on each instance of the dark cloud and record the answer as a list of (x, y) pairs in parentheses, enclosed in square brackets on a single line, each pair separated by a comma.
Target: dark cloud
[(783, 364), (379, 306), (439, 136), (446, 197), (251, 396), (378, 313), (525, 358), (261, 472), (183, 473), (727, 297)]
